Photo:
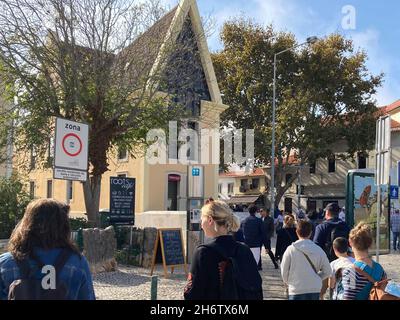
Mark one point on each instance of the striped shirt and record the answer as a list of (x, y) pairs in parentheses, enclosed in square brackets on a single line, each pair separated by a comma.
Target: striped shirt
[(353, 283)]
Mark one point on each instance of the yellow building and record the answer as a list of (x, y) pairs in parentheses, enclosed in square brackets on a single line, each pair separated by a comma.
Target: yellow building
[(159, 187)]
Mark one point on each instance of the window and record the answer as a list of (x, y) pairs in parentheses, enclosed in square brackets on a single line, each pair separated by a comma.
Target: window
[(50, 152), (193, 154), (288, 177), (331, 164), (122, 154), (301, 189), (49, 188), (230, 188), (362, 161), (33, 159), (70, 190), (255, 183), (313, 165), (220, 188), (311, 206), (32, 189), (244, 186)]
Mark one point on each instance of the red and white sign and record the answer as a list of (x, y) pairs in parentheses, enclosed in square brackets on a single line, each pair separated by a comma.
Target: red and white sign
[(71, 150)]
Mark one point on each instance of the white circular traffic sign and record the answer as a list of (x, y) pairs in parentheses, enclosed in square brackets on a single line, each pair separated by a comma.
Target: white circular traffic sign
[(72, 144)]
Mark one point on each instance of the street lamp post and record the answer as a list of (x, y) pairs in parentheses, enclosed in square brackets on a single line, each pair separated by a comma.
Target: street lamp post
[(310, 40)]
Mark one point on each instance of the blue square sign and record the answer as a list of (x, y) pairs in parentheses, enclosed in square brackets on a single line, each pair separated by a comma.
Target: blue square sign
[(394, 192), (196, 172)]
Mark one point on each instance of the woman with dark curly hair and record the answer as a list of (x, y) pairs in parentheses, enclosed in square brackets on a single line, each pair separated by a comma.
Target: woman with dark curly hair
[(42, 241)]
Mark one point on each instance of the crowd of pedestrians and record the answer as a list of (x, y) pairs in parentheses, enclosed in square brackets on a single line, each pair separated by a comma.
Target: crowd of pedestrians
[(316, 258)]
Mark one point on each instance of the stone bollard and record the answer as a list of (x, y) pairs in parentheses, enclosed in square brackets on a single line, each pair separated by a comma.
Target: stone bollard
[(150, 235), (99, 247)]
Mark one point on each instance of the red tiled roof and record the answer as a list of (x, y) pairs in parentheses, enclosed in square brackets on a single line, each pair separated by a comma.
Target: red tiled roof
[(390, 107), (256, 173)]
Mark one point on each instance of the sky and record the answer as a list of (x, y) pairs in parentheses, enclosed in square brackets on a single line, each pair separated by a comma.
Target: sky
[(375, 29)]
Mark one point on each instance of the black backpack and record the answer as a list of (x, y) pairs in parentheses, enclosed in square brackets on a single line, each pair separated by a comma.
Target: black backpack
[(30, 288), (236, 283), (339, 230)]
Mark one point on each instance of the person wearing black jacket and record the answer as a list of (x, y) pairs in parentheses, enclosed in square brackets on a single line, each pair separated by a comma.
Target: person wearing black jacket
[(285, 236), (253, 232), (323, 232), (268, 225), (208, 264)]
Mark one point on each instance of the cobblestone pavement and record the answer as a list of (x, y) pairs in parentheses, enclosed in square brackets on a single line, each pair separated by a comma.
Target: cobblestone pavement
[(133, 283)]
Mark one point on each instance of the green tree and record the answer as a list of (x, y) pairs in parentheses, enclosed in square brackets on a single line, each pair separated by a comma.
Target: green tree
[(13, 201), (88, 61), (324, 95)]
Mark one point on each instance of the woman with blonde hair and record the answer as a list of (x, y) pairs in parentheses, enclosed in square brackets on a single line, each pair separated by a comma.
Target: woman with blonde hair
[(214, 261), (356, 280), (285, 236)]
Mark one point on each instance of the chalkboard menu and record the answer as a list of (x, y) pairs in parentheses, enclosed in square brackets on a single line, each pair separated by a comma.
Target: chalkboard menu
[(170, 243), (122, 200)]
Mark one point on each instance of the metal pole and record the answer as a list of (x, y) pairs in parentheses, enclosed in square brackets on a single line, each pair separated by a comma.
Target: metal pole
[(153, 292), (298, 189), (273, 141), (378, 218)]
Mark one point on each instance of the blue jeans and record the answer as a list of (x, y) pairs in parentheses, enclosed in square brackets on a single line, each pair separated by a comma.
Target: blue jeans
[(396, 236), (304, 296)]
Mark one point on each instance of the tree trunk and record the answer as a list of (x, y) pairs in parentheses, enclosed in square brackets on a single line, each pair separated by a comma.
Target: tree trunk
[(280, 191), (91, 193)]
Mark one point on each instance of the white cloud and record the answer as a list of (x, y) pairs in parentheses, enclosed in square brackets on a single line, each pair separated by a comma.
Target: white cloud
[(378, 61)]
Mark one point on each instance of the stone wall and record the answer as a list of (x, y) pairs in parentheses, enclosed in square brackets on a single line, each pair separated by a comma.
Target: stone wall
[(135, 245), (99, 248), (163, 219)]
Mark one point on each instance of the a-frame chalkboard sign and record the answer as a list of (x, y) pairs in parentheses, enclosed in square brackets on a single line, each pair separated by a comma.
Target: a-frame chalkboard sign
[(170, 242)]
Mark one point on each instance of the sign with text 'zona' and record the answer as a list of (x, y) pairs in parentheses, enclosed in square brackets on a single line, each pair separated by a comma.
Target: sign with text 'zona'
[(71, 150)]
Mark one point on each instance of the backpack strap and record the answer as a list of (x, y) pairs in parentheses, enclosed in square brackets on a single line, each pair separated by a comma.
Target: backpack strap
[(376, 271), (62, 260), (308, 259)]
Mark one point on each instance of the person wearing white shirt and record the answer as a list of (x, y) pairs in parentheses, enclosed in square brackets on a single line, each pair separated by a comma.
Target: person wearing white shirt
[(304, 266), (341, 248)]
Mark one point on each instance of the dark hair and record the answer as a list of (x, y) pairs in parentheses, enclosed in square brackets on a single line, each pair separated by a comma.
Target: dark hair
[(333, 209), (304, 228), (45, 224), (340, 244), (252, 209)]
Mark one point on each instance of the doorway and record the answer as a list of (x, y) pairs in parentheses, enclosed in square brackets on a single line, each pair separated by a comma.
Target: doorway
[(173, 191), (288, 205)]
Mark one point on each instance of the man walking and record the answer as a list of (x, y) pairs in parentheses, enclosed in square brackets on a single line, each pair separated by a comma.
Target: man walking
[(304, 266), (326, 233), (268, 225), (330, 229), (395, 227), (253, 233)]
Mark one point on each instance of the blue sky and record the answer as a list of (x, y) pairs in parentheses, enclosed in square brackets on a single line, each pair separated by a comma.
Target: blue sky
[(377, 28)]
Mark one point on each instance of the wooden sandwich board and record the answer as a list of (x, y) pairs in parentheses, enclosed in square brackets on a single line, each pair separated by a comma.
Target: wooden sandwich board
[(170, 242)]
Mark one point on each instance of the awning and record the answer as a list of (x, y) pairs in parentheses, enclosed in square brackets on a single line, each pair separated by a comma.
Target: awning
[(242, 199)]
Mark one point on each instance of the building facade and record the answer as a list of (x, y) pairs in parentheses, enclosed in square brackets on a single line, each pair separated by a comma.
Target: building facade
[(159, 187)]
